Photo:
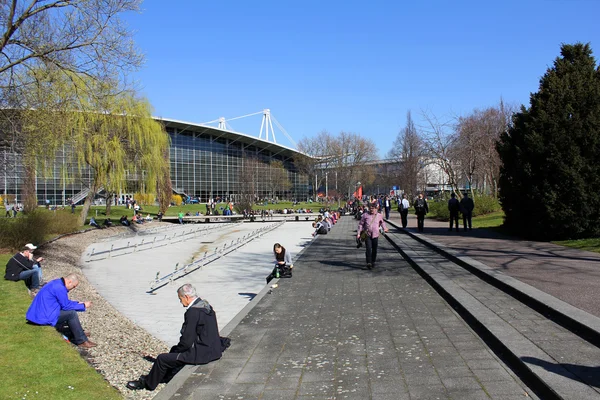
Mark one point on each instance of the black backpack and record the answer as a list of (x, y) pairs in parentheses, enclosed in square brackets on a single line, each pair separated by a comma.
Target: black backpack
[(420, 206)]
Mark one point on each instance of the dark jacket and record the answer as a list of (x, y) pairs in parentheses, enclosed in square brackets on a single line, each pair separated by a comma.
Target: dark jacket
[(453, 205), (17, 264), (199, 342), (467, 205)]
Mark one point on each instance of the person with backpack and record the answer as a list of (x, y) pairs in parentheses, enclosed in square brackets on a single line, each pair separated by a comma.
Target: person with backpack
[(421, 208), (454, 208)]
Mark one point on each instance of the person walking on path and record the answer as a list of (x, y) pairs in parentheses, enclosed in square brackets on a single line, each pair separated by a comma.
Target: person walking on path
[(370, 223), (467, 206), (403, 207), (454, 208), (421, 208), (387, 206)]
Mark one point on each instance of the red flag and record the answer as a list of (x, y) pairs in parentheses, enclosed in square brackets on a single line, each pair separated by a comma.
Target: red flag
[(358, 193)]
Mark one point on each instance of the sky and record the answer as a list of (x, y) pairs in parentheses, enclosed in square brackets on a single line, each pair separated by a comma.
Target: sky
[(352, 66)]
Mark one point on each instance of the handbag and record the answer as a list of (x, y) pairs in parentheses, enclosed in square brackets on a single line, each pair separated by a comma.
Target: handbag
[(363, 234)]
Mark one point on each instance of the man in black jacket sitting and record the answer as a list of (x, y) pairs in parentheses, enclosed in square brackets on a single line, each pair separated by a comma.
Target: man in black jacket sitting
[(23, 266), (199, 342)]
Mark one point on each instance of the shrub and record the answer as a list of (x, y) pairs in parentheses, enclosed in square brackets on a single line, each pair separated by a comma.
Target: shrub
[(485, 205), (439, 209), (177, 199), (35, 227)]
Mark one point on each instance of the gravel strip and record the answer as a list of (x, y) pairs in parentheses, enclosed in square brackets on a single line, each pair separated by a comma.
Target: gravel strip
[(121, 343)]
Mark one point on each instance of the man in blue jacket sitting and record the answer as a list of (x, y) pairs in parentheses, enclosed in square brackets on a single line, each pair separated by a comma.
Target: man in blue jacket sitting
[(51, 306)]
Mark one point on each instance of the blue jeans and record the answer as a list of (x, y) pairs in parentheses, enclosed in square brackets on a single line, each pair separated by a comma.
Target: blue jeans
[(32, 277), (71, 319)]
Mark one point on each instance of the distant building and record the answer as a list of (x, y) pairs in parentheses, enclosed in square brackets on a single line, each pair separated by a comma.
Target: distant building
[(206, 162)]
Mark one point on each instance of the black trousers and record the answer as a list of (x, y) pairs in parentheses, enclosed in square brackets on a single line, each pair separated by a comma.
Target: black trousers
[(454, 218), (163, 366), (371, 252), (467, 220), (420, 222), (404, 216)]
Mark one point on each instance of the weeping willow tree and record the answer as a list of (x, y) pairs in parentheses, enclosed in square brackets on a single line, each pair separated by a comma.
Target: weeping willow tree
[(111, 134)]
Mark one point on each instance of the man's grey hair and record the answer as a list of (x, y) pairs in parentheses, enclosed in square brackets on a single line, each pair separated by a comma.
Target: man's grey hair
[(187, 290), (73, 278)]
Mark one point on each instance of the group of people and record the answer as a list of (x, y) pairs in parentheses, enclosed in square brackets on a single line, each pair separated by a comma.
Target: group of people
[(199, 343), (11, 210), (323, 223), (465, 207)]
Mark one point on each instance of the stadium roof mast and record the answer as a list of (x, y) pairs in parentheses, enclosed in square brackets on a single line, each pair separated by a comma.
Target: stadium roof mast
[(266, 123)]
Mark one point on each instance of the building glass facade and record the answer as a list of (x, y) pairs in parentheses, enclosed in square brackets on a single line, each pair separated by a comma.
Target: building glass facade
[(205, 163)]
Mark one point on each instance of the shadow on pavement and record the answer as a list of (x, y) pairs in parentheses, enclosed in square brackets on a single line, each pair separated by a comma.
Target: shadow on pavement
[(588, 375)]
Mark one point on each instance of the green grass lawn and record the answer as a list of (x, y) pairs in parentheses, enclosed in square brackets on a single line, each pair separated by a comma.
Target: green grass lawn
[(492, 220), (582, 244), (35, 362)]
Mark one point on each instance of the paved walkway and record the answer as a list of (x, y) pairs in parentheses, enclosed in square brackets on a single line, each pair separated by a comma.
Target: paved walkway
[(337, 330), (569, 274)]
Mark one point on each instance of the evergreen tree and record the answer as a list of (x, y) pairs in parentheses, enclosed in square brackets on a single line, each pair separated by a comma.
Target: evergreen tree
[(550, 173)]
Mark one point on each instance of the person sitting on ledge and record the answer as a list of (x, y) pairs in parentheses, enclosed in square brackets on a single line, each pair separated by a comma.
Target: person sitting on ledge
[(199, 342), (53, 307), (22, 266)]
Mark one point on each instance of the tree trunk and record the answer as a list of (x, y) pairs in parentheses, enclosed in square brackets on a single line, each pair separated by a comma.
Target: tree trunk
[(29, 194), (87, 204), (109, 200)]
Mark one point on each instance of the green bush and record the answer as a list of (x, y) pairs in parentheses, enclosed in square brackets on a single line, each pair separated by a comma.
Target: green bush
[(438, 209), (484, 205), (35, 227)]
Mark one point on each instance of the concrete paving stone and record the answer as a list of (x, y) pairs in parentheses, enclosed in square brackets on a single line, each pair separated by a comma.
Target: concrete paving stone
[(457, 371), (418, 379), (278, 394), (390, 396), (440, 362), (318, 376), (476, 354), (282, 382), (245, 391), (462, 383), (428, 392), (443, 352), (473, 344), (468, 394), (258, 366), (492, 375), (319, 389), (252, 377), (498, 388)]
